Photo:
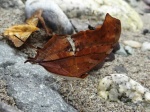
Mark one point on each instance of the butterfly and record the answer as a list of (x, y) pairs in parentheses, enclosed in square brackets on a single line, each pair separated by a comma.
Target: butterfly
[(75, 55)]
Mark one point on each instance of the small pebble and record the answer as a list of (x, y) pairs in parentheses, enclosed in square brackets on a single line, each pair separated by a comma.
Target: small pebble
[(145, 31), (132, 43), (121, 51), (147, 2), (120, 69), (129, 50), (145, 46)]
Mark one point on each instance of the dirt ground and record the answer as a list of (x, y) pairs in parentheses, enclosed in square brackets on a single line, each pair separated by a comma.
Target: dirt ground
[(82, 94)]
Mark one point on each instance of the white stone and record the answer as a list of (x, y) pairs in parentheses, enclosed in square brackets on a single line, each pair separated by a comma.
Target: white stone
[(122, 89), (115, 85), (129, 50), (140, 89), (145, 46), (136, 97), (113, 94), (97, 9), (105, 83), (121, 78), (133, 84), (147, 96), (132, 43), (104, 94)]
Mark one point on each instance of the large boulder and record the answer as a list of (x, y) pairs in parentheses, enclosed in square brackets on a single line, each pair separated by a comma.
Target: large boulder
[(97, 9), (26, 83)]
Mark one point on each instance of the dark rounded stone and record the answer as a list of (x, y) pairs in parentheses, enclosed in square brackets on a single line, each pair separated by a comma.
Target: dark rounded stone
[(145, 31)]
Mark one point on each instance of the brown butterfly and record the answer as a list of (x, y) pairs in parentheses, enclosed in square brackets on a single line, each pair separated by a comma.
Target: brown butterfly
[(77, 54)]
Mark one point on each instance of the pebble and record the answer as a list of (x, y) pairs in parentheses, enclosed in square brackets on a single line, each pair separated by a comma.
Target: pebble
[(120, 69), (121, 51), (129, 50), (120, 87), (145, 46), (145, 31), (132, 43), (147, 2)]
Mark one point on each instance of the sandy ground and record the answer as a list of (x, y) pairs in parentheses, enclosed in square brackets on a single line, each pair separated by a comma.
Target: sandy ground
[(83, 94)]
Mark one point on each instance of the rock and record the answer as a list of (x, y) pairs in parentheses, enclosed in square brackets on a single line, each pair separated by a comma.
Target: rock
[(119, 86), (145, 46), (132, 43), (132, 2), (7, 108), (11, 4), (9, 17), (129, 50), (26, 83), (147, 2), (79, 25), (121, 51), (147, 96), (97, 9), (145, 31), (120, 69), (53, 16), (113, 94)]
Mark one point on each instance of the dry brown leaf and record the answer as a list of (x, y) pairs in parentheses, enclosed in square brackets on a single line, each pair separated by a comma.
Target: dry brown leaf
[(33, 20), (18, 34)]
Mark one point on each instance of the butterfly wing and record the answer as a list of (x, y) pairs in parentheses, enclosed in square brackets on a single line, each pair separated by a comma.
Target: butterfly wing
[(91, 48)]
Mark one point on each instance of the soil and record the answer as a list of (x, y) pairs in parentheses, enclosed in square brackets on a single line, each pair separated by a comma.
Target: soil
[(83, 95)]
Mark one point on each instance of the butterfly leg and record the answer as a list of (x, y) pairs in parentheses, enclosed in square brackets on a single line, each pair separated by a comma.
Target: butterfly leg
[(41, 19)]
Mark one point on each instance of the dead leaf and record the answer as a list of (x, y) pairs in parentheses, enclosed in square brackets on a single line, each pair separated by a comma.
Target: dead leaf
[(33, 20), (18, 34), (77, 54)]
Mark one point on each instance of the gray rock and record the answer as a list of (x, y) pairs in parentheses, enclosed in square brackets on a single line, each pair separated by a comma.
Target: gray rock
[(9, 17), (53, 16), (82, 24), (26, 83), (122, 51), (120, 69), (7, 108), (11, 4), (129, 50), (79, 25), (147, 2)]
